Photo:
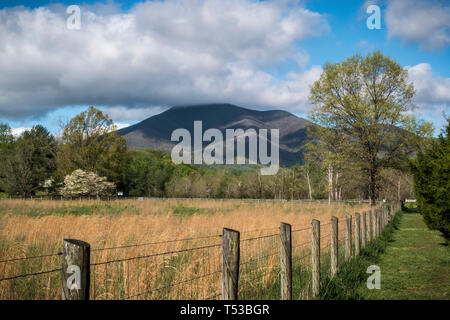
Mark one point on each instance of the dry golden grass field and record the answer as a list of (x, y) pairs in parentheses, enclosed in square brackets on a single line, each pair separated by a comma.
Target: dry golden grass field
[(154, 249)]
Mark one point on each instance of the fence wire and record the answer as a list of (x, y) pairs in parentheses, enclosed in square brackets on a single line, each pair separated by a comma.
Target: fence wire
[(170, 270), (35, 277), (259, 266)]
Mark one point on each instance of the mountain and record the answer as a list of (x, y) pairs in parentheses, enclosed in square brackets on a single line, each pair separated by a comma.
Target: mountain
[(155, 132)]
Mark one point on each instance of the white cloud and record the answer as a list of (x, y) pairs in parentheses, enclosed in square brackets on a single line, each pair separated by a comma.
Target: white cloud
[(432, 92), (157, 54), (121, 125), (422, 21), (16, 132), (123, 113)]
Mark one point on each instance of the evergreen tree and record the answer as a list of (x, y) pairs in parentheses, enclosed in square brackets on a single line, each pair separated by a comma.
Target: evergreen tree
[(431, 170)]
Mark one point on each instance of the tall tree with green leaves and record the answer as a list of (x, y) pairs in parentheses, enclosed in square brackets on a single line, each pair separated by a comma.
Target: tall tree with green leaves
[(431, 170), (31, 162), (364, 101), (91, 142), (6, 142)]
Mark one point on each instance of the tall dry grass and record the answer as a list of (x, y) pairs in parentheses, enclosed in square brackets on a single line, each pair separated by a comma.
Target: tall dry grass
[(158, 267)]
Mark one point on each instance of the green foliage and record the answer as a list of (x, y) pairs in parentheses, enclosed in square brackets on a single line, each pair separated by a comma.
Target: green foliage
[(431, 170), (149, 172), (91, 143), (360, 107), (6, 142), (6, 137), (31, 161)]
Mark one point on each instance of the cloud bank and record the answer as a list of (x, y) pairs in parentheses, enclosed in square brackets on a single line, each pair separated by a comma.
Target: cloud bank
[(422, 21), (432, 92), (156, 54)]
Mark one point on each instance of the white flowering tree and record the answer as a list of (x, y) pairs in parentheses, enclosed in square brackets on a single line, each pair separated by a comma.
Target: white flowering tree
[(80, 183)]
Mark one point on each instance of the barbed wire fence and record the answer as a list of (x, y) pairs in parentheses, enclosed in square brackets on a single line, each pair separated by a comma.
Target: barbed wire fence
[(31, 277), (185, 270), (193, 268), (259, 267)]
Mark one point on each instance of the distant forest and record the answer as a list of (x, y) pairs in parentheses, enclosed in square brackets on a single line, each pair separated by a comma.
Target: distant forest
[(37, 163)]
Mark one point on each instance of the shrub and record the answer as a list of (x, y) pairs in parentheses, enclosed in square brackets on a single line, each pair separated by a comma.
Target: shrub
[(81, 183)]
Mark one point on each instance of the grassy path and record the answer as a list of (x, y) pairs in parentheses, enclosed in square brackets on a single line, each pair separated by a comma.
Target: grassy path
[(416, 264)]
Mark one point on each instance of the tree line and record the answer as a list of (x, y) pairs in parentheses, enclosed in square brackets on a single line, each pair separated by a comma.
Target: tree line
[(90, 154)]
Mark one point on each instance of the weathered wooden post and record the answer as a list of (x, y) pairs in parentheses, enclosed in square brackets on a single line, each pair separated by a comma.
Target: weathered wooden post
[(230, 264), (75, 270), (391, 213), (348, 237), (315, 257), (375, 228), (370, 226), (381, 219), (357, 233), (286, 261), (363, 230), (377, 222), (334, 245), (386, 215)]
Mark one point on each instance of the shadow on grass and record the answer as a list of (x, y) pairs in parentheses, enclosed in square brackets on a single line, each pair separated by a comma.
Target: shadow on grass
[(410, 207)]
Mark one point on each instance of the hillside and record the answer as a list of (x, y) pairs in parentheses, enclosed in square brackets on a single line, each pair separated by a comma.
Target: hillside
[(155, 131)]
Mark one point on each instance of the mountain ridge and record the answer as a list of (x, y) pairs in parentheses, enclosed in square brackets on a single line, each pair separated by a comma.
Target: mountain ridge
[(155, 132)]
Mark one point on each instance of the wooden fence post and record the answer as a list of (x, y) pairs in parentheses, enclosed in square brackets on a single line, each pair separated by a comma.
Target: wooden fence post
[(75, 270), (382, 219), (386, 215), (315, 257), (348, 237), (363, 230), (377, 222), (357, 233), (370, 226), (286, 261), (334, 245), (374, 231), (230, 264)]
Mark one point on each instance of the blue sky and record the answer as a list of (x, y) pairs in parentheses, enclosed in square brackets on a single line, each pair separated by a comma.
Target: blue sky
[(135, 59)]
